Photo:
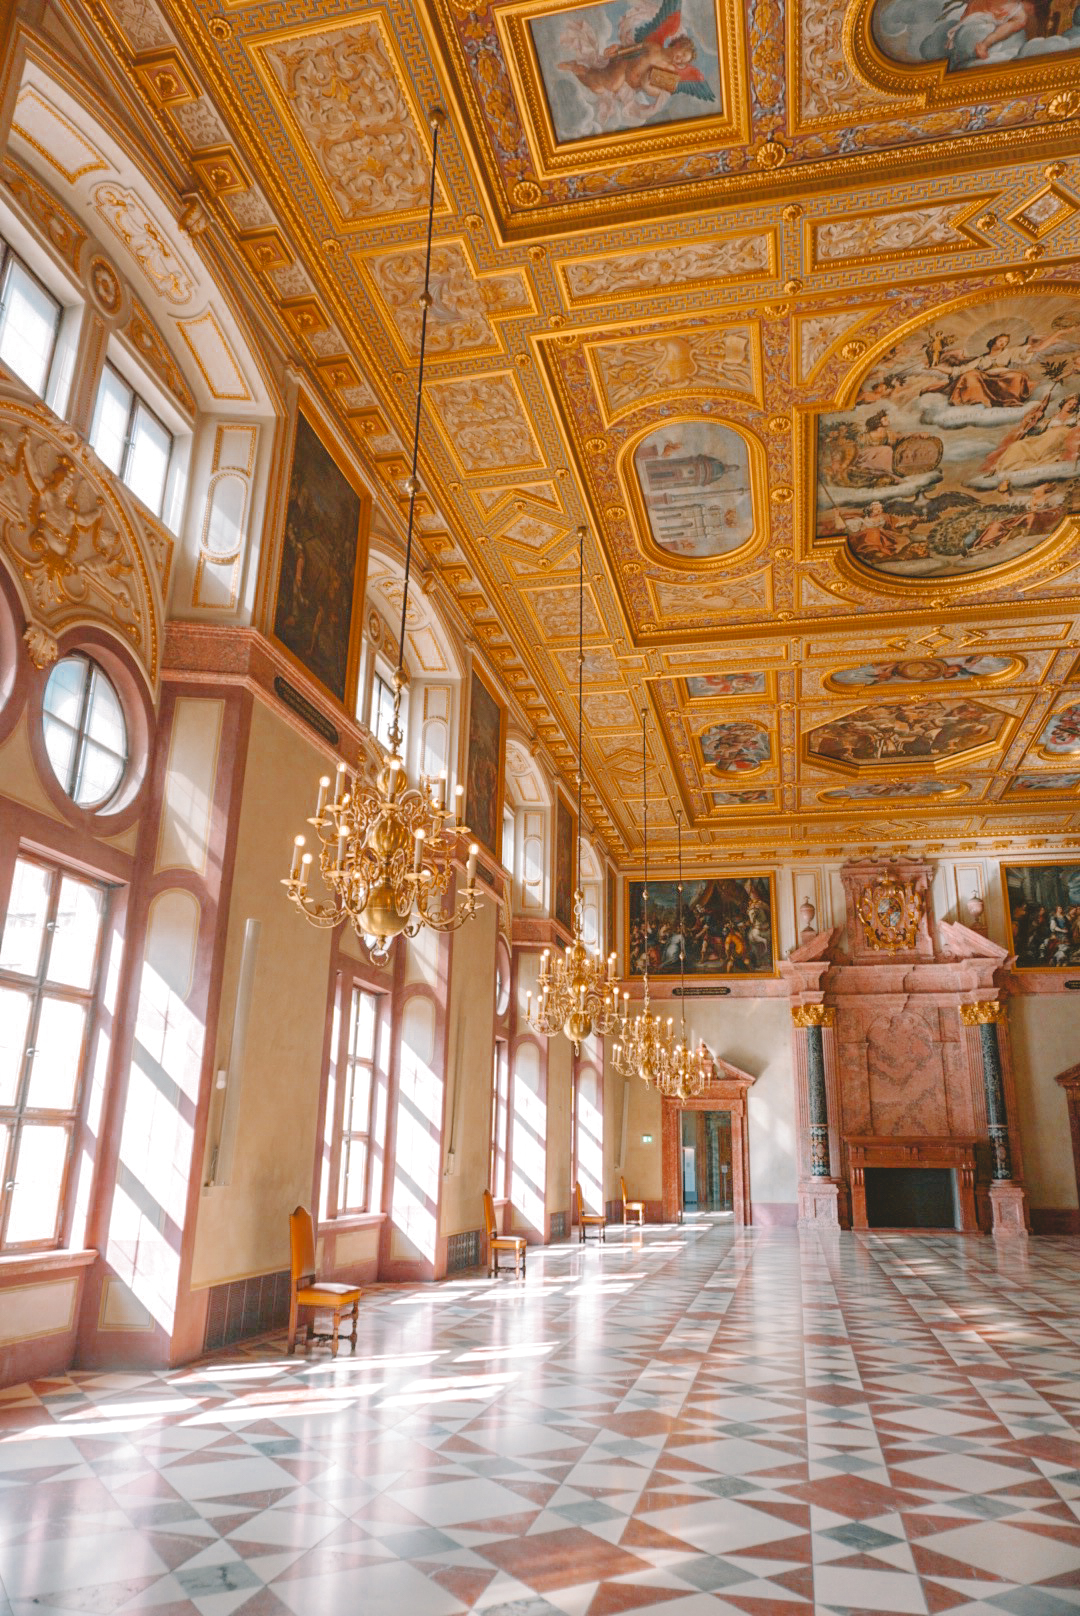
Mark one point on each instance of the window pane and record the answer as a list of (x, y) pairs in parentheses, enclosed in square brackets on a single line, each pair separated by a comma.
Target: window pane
[(105, 716), (358, 1099), (61, 744), (39, 1173), (148, 459), (14, 1020), (75, 939), (54, 1069), (24, 928), (108, 432), (362, 1042), (99, 775), (66, 689), (353, 1169), (28, 321)]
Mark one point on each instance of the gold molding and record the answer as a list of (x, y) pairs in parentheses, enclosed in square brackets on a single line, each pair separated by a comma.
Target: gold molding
[(983, 1013), (813, 1015)]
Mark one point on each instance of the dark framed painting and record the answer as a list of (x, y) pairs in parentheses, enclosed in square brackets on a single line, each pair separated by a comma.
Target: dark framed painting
[(1042, 902), (485, 764), (729, 926), (565, 839), (320, 583)]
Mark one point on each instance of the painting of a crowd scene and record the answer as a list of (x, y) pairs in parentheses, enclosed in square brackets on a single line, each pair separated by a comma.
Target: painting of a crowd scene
[(961, 449), (893, 732), (1044, 915), (727, 926), (966, 34)]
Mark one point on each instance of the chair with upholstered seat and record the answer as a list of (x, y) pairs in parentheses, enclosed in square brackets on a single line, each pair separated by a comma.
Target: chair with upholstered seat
[(314, 1295), (588, 1220), (631, 1209), (497, 1242)]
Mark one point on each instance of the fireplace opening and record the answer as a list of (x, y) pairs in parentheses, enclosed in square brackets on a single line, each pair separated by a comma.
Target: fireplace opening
[(911, 1198)]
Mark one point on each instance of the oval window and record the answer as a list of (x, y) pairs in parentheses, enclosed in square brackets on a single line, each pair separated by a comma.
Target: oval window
[(85, 731)]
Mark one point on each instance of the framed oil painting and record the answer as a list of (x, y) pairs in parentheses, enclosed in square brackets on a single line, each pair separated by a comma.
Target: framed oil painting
[(621, 66), (485, 767), (728, 927), (1043, 905), (565, 837), (320, 584)]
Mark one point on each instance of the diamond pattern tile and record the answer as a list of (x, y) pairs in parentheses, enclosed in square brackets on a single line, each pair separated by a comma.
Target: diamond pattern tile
[(693, 1421)]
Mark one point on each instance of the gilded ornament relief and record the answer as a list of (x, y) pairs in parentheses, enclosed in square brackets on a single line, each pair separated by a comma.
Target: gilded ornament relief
[(668, 268), (340, 88), (886, 235), (629, 372), (463, 308), (132, 223), (486, 423), (70, 545)]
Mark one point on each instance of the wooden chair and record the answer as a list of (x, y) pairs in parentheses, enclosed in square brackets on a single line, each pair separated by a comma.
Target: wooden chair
[(502, 1242), (312, 1294), (631, 1208), (588, 1220)]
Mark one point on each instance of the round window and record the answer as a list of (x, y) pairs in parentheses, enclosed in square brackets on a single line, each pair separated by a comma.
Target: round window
[(85, 733)]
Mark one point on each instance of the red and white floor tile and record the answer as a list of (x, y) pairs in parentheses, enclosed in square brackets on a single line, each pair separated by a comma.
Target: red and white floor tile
[(694, 1421)]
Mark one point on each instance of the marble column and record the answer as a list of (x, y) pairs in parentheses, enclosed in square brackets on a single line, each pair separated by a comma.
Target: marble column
[(820, 1194), (1007, 1200)]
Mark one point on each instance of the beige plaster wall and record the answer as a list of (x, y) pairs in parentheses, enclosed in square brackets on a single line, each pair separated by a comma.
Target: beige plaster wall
[(470, 1061), (755, 1036), (242, 1227), (1045, 1034), (19, 775)]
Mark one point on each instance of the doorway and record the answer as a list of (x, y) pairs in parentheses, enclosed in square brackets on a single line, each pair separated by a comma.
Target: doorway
[(725, 1097), (706, 1157)]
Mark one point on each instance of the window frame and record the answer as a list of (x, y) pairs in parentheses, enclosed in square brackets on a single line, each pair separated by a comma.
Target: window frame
[(342, 1140), (380, 686), (9, 256), (499, 1150), (73, 1118), (82, 735), (138, 402)]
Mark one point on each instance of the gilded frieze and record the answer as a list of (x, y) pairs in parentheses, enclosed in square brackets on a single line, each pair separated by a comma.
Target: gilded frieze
[(673, 268)]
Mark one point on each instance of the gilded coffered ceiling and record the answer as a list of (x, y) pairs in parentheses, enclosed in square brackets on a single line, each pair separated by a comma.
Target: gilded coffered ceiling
[(781, 301)]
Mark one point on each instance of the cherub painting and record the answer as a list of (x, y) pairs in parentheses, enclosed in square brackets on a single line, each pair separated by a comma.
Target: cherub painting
[(618, 66)]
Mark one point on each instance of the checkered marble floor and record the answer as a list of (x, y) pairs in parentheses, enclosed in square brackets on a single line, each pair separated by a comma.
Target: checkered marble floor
[(693, 1421)]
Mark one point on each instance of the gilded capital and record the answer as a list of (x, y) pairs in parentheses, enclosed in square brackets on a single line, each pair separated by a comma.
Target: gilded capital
[(982, 1013), (813, 1015)]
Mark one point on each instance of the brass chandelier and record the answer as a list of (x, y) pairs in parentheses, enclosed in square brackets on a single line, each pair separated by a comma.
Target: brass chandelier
[(645, 1045), (387, 853), (575, 995)]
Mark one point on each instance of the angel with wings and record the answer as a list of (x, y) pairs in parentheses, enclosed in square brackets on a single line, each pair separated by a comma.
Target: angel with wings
[(634, 77)]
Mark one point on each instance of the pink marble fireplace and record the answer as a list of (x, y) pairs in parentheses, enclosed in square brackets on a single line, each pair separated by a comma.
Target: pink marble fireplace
[(901, 1050)]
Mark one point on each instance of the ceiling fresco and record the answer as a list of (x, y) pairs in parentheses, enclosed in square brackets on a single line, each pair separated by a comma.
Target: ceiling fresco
[(781, 300)]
